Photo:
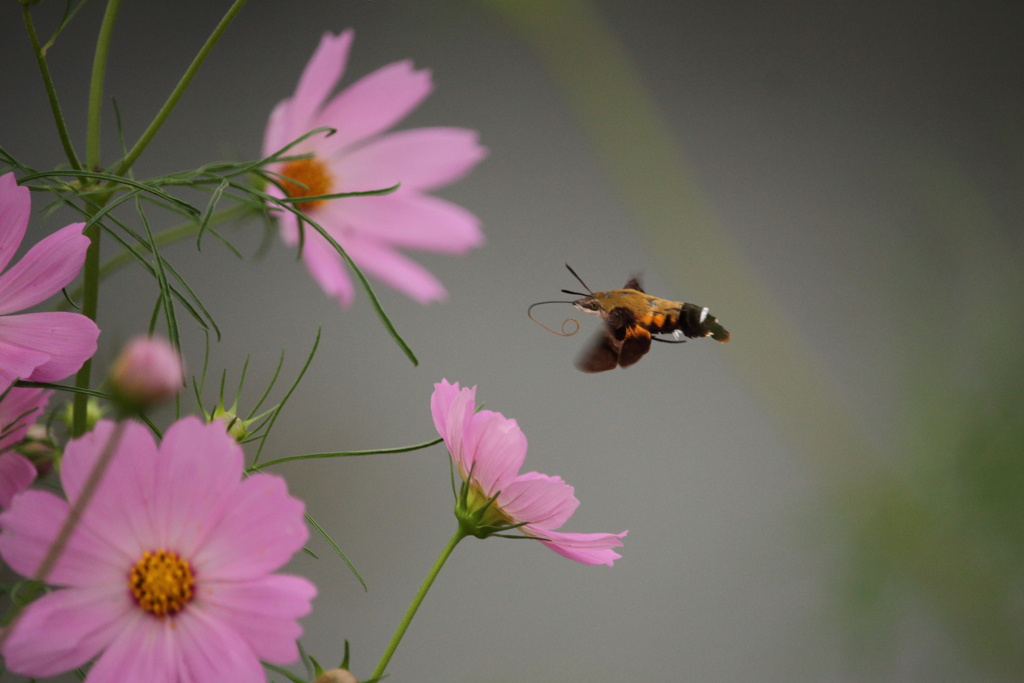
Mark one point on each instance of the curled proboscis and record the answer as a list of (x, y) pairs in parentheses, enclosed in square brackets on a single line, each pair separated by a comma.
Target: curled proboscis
[(563, 333)]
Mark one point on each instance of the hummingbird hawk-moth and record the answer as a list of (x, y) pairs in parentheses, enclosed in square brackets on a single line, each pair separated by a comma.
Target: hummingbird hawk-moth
[(631, 319)]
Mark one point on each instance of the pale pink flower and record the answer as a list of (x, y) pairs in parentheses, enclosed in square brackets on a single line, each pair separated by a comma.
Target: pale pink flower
[(169, 575), (360, 157), (19, 409), (147, 371), (493, 448), (42, 347)]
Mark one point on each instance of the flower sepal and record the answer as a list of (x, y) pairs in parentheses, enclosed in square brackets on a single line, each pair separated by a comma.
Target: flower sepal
[(480, 519)]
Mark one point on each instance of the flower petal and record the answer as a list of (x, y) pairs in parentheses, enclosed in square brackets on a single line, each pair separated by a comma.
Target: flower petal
[(323, 262), (48, 266), (263, 611), (15, 207), (191, 648), (394, 269), (277, 134), (16, 474), (498, 448), (322, 73), (410, 220), (451, 408), (261, 529), (56, 344), (591, 549), (29, 527), (419, 159), (372, 104), (16, 361), (201, 464), (18, 411), (544, 501), (64, 630)]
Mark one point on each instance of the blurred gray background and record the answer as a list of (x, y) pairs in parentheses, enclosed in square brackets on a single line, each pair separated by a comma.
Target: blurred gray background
[(835, 495)]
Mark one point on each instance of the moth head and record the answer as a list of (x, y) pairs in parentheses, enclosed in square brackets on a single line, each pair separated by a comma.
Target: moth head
[(588, 304)]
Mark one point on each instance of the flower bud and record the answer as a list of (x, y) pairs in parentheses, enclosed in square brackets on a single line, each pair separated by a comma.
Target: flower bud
[(94, 412), (237, 428), (148, 371), (336, 676)]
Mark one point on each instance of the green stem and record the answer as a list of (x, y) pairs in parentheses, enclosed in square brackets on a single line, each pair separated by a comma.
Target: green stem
[(51, 91), (90, 306), (420, 594), (90, 271), (169, 236), (99, 70), (75, 513), (179, 89)]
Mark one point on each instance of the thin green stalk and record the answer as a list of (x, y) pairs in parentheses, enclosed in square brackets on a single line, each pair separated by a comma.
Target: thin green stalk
[(179, 89), (172, 235), (90, 271), (99, 70), (90, 305), (420, 594), (51, 91), (86, 494)]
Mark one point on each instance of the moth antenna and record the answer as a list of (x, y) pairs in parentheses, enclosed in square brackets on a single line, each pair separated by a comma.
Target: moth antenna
[(579, 279), (563, 333)]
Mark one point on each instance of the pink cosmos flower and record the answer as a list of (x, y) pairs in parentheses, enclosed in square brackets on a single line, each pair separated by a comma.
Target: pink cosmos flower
[(168, 576), (493, 448), (42, 347), (359, 158), (19, 409)]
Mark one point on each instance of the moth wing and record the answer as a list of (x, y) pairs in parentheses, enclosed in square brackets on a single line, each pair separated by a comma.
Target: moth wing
[(602, 353), (635, 345), (634, 283)]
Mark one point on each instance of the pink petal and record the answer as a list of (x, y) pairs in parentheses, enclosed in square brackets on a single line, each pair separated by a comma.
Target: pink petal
[(373, 104), (191, 648), (544, 501), (264, 612), (18, 411), (318, 79), (64, 340), (197, 480), (452, 407), (131, 468), (15, 206), (395, 270), (498, 449), (17, 361), (64, 630), (412, 220), (29, 527), (419, 159), (324, 263), (48, 266), (590, 549), (260, 531), (118, 518), (16, 474), (277, 134)]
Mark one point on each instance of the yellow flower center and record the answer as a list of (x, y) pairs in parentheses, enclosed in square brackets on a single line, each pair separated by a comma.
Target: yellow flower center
[(307, 178), (161, 583)]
